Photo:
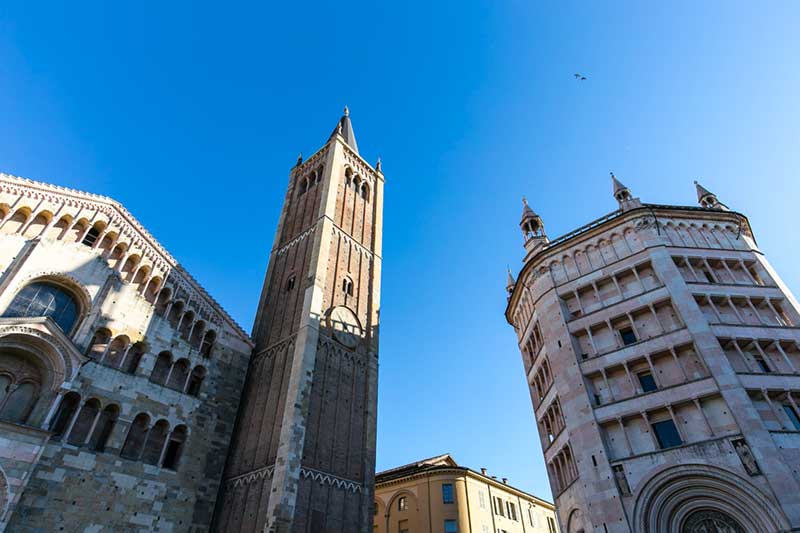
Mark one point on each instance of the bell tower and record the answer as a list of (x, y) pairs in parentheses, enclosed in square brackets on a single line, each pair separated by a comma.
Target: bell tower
[(302, 458)]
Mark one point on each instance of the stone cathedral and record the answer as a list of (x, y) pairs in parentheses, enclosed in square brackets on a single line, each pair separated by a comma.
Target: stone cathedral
[(130, 400), (662, 352)]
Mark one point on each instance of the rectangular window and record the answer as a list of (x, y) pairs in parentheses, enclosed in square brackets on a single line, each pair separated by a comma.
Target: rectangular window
[(667, 434), (551, 525), (482, 499), (530, 516), (498, 506), (628, 336), (646, 381), (447, 493), (402, 526), (450, 526), (484, 528), (512, 511), (402, 503), (708, 276), (792, 414)]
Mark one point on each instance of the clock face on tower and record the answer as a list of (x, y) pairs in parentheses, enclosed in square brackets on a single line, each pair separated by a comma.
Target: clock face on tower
[(344, 325)]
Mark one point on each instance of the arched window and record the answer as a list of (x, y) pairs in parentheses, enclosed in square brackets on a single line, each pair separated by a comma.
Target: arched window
[(21, 377), (83, 424), (116, 352), (151, 289), (155, 442), (77, 230), (45, 299), (186, 324), (132, 449), (197, 334), (195, 381), (103, 428), (365, 191), (90, 237), (208, 343), (347, 286), (318, 174), (172, 455), (175, 313), (99, 344), (290, 281), (129, 268), (348, 175), (66, 410), (161, 368), (178, 375), (163, 301), (133, 358), (16, 222), (60, 228), (38, 224), (303, 186)]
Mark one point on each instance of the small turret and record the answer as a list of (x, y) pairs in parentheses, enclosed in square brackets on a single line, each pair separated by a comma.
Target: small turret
[(510, 283), (707, 198), (623, 195), (532, 228)]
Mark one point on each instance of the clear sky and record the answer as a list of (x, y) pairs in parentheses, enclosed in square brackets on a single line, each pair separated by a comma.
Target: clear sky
[(192, 114)]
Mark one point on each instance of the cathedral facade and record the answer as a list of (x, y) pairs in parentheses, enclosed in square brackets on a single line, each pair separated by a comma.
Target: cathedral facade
[(661, 351), (131, 401)]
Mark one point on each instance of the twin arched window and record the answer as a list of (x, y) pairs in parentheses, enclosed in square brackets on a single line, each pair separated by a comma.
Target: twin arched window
[(155, 444), (45, 299)]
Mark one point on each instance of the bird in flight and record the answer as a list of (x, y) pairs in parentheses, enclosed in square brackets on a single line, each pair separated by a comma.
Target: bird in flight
[(580, 77)]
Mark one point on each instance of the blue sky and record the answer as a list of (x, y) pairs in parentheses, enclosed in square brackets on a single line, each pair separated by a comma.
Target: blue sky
[(192, 114)]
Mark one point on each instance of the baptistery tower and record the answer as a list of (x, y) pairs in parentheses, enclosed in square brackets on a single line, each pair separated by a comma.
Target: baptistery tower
[(303, 454), (661, 352)]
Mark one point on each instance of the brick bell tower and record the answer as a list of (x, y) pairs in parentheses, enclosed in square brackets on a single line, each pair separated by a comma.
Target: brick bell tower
[(302, 458)]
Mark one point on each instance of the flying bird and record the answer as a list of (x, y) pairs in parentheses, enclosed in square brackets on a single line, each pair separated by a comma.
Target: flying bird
[(580, 77)]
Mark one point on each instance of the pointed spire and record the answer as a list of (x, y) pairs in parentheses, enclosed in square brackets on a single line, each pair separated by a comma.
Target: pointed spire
[(618, 186), (510, 282), (345, 128), (623, 195), (526, 209), (707, 198), (621, 192), (299, 159)]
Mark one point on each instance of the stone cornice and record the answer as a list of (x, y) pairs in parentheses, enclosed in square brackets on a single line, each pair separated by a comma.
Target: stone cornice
[(616, 218), (129, 226)]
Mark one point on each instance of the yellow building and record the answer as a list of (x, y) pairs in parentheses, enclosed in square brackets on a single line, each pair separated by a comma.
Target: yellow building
[(437, 495)]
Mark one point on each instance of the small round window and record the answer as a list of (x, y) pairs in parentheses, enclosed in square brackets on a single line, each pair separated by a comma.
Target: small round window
[(45, 299)]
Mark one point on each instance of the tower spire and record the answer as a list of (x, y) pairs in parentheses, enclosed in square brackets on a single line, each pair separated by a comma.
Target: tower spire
[(345, 128)]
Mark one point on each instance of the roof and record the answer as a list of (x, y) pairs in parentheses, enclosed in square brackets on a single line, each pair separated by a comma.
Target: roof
[(443, 463), (13, 184)]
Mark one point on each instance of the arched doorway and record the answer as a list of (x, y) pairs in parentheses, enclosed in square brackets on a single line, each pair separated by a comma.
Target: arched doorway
[(698, 498)]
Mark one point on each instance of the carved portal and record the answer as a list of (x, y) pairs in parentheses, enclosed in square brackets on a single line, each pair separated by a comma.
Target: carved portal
[(708, 521)]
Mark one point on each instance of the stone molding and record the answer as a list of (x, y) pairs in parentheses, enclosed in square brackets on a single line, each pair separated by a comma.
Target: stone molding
[(289, 245), (132, 229), (323, 478)]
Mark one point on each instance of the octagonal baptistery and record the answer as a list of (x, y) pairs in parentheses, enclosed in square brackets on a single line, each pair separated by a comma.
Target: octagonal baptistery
[(120, 376), (661, 351)]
